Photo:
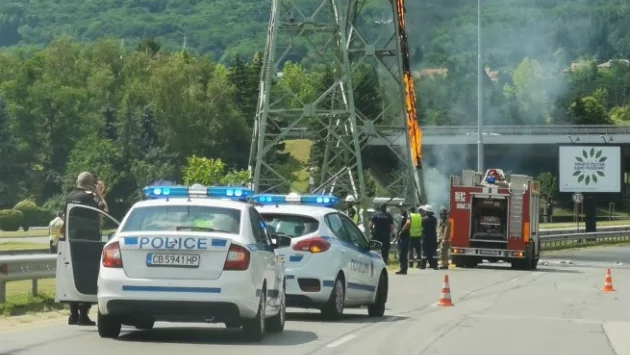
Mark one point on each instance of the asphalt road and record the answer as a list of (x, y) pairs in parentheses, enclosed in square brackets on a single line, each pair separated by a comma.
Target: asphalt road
[(558, 309)]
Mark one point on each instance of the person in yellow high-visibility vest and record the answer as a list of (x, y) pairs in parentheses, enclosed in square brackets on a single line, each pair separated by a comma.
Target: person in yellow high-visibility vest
[(351, 211), (415, 234)]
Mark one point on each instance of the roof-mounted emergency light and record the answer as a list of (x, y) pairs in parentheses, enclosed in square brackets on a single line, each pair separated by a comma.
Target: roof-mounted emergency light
[(293, 198), (197, 191)]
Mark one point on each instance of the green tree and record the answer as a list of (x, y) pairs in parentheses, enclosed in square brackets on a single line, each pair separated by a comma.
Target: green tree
[(548, 185)]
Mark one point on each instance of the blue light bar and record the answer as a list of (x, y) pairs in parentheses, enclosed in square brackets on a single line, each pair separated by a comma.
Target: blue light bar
[(198, 191), (314, 200)]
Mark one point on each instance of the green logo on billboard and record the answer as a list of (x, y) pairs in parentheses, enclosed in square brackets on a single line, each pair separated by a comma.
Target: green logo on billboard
[(589, 166)]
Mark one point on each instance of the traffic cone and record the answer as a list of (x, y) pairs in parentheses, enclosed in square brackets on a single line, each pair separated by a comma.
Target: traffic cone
[(608, 286), (445, 297)]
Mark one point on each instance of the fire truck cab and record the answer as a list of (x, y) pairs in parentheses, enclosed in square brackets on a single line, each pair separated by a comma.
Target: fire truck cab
[(494, 216)]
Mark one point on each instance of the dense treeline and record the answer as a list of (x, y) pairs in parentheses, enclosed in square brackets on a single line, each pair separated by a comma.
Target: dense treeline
[(134, 116), (136, 112)]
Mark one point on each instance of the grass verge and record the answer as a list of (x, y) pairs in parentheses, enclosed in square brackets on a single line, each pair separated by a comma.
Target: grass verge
[(581, 246), (20, 301), (7, 246), (622, 222), (300, 150), (22, 234)]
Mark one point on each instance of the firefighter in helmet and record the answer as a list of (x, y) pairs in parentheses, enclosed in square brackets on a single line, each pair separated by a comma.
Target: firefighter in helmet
[(444, 237), (351, 211)]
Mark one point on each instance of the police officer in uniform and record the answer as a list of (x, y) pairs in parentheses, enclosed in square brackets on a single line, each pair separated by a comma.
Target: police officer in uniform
[(444, 238), (85, 225), (382, 227), (403, 240), (429, 239)]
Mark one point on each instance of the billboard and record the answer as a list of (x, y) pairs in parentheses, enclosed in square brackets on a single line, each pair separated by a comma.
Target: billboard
[(590, 169)]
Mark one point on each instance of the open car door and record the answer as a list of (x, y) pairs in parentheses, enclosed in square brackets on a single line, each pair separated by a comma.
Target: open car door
[(86, 231)]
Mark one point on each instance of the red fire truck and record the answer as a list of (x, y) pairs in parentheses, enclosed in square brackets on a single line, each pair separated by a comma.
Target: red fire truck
[(494, 216)]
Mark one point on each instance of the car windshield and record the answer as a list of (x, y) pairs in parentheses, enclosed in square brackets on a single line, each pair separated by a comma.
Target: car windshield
[(192, 218), (290, 225)]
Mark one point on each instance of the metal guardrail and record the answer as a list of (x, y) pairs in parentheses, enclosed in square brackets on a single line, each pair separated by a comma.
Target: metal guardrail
[(562, 240), (43, 266), (26, 267)]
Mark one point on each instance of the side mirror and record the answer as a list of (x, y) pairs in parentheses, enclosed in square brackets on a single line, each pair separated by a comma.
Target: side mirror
[(283, 241), (375, 245)]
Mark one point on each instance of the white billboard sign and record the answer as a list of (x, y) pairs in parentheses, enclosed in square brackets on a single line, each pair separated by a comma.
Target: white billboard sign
[(590, 169)]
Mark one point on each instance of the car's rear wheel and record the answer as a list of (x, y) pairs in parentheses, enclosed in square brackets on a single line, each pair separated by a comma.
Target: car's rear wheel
[(254, 329), (108, 326), (377, 309), (333, 309), (276, 323)]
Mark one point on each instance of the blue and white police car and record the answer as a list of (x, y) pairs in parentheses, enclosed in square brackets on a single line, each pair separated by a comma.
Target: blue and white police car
[(198, 254), (330, 263)]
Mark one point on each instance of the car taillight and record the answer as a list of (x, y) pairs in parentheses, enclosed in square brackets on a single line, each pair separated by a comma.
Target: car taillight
[(237, 258), (312, 245), (111, 255)]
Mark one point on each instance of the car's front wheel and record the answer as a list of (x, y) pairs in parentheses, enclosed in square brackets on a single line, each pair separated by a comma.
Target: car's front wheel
[(108, 326), (377, 309)]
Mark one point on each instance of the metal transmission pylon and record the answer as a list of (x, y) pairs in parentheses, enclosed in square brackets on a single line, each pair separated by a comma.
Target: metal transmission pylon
[(355, 94)]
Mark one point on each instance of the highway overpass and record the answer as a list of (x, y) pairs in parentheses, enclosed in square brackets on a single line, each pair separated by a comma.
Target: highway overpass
[(516, 135)]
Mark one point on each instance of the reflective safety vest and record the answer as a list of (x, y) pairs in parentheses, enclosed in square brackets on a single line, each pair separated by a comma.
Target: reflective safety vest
[(355, 219), (415, 230)]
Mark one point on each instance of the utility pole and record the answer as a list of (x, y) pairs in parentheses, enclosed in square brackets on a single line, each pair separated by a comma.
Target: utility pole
[(333, 36), (480, 75)]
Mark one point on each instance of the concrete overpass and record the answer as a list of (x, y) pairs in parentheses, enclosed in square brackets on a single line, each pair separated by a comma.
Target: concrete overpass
[(514, 135)]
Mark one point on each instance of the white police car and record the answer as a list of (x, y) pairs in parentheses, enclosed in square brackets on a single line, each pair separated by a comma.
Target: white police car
[(185, 255), (330, 263)]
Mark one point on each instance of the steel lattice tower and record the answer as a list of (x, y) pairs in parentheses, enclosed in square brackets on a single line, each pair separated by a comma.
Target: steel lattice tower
[(331, 34)]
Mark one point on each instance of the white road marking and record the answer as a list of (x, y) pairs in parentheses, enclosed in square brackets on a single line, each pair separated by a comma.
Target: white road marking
[(340, 341), (537, 273)]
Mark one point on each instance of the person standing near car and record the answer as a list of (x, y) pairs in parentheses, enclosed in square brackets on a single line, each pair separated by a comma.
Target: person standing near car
[(86, 225), (383, 230), (403, 240), (429, 239), (55, 228)]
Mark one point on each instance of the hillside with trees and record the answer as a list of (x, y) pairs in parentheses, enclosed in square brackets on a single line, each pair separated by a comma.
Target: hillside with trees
[(150, 108)]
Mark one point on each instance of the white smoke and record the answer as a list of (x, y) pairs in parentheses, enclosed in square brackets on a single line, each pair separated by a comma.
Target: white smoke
[(439, 164)]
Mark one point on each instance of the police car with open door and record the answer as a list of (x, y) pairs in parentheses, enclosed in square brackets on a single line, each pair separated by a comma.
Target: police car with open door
[(330, 263), (198, 254)]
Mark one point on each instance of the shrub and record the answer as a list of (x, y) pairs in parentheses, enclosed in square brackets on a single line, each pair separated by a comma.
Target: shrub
[(29, 211), (10, 220), (55, 203), (43, 217)]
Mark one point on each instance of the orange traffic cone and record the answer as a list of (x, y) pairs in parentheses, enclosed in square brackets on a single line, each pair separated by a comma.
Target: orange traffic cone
[(445, 297), (608, 286)]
